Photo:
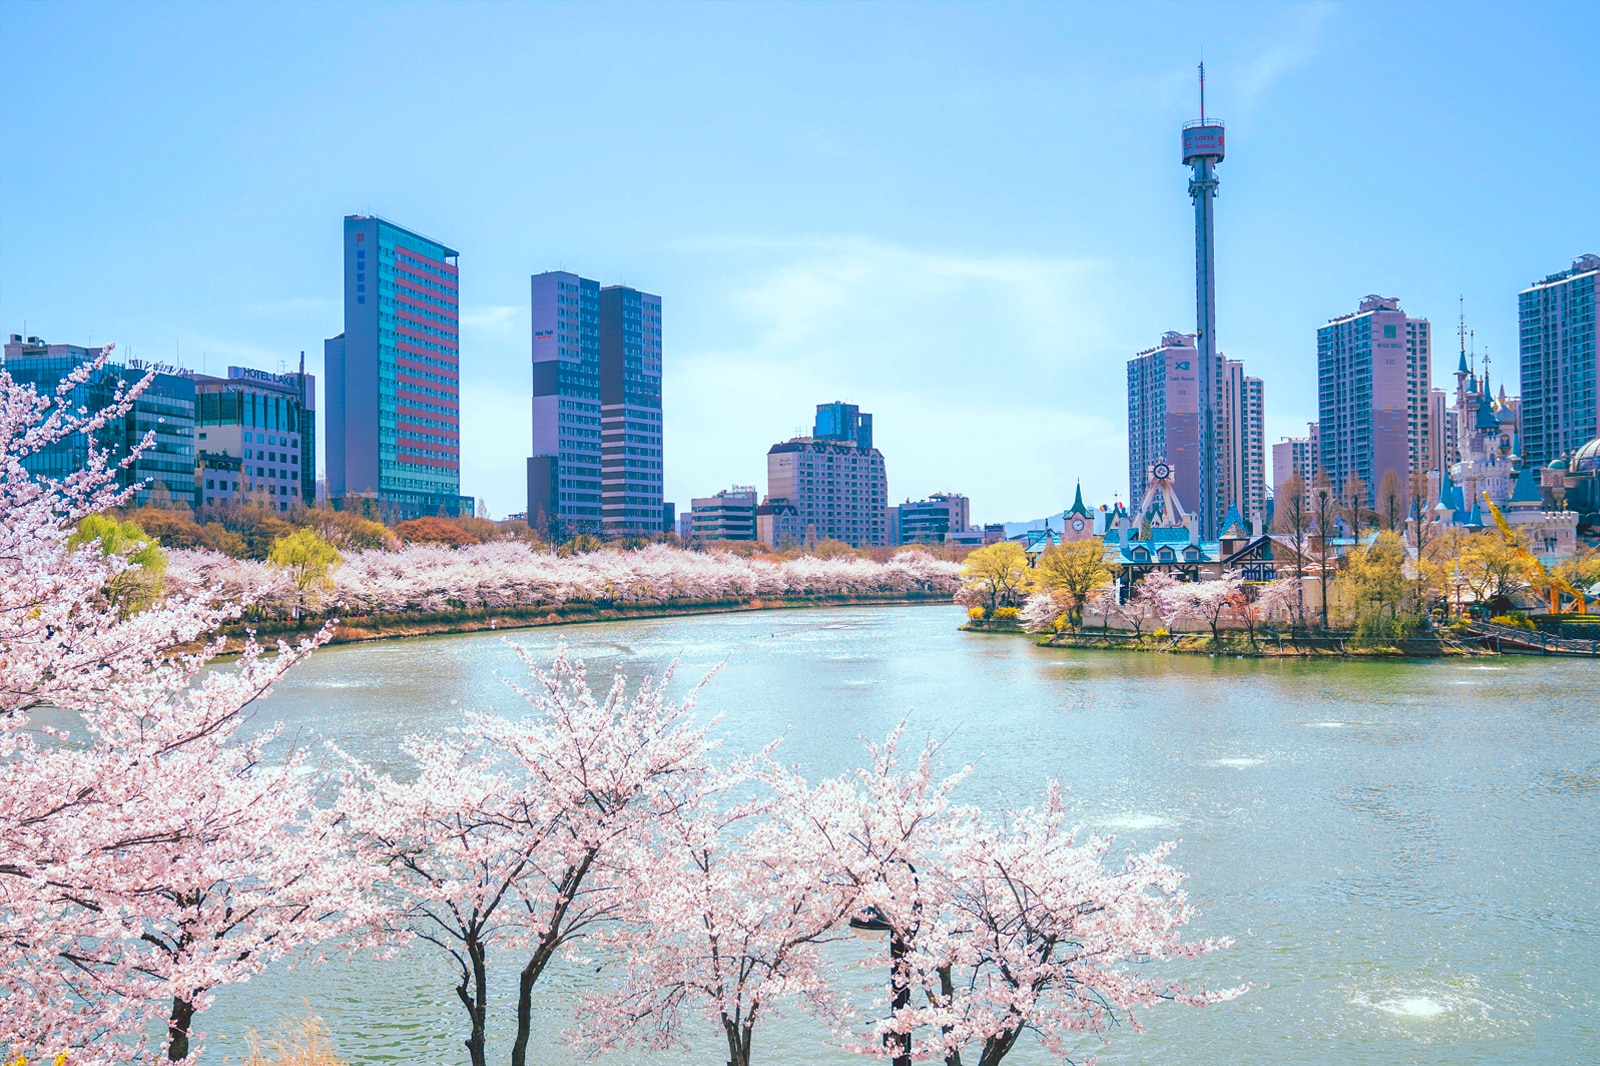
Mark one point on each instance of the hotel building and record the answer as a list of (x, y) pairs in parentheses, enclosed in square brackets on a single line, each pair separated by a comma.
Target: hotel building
[(393, 375), (830, 485), (256, 438)]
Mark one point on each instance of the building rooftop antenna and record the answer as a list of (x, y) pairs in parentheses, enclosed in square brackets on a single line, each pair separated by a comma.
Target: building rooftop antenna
[(1202, 90)]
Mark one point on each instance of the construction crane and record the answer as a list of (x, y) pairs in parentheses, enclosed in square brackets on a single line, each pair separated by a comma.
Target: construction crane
[(1554, 585)]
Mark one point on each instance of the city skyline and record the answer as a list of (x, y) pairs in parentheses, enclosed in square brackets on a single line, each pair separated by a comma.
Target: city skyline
[(850, 274)]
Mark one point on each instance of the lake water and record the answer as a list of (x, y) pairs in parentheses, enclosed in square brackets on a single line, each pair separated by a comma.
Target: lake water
[(1405, 851)]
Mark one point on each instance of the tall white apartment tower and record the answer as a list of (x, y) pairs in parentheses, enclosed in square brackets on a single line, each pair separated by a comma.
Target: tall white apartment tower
[(1373, 394), (1243, 452), (1559, 337)]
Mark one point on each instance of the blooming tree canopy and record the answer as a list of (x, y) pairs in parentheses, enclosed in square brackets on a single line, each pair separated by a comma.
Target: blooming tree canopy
[(520, 834), (148, 852)]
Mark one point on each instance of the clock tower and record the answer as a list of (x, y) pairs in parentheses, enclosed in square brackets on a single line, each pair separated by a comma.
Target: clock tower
[(1078, 521)]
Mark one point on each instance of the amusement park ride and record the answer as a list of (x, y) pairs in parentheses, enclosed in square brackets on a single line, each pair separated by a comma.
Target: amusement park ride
[(1553, 586)]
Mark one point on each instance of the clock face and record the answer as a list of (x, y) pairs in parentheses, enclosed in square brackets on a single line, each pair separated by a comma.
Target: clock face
[(1162, 471), (1077, 525)]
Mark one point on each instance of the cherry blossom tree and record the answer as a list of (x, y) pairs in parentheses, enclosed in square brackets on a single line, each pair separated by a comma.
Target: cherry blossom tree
[(1150, 598), (147, 853), (1107, 603), (732, 914), (993, 928), (1040, 612), (1201, 601), (1250, 606), (1035, 933), (520, 834), (874, 831)]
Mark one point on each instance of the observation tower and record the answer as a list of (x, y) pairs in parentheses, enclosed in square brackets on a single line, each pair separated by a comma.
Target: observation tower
[(1202, 151)]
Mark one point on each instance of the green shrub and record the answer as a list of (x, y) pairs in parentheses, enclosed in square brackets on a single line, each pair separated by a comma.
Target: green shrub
[(140, 585), (1515, 618)]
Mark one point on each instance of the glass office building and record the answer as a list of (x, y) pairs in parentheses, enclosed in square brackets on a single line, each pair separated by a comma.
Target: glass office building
[(163, 412)]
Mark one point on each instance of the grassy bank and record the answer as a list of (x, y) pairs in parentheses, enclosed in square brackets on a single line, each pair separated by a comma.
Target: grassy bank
[(419, 623), (1287, 647)]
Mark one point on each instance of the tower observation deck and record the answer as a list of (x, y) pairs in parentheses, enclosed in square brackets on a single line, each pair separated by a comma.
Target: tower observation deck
[(1202, 151)]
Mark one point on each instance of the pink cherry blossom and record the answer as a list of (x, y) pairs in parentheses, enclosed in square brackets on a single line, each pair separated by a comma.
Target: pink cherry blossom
[(148, 853), (510, 574), (522, 834)]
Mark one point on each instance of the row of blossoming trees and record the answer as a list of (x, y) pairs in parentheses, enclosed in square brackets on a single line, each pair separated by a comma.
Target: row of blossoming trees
[(156, 845), (512, 574)]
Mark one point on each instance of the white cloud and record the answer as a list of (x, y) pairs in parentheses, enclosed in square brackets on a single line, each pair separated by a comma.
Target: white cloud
[(1294, 42), (974, 366), (491, 318)]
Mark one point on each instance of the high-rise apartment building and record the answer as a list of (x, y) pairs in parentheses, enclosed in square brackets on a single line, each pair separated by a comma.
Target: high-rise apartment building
[(564, 471), (1242, 444), (597, 457), (630, 412), (1163, 415), (834, 480), (1295, 455), (1442, 449), (1559, 338), (1164, 425), (1373, 387), (164, 411), (256, 437), (393, 375)]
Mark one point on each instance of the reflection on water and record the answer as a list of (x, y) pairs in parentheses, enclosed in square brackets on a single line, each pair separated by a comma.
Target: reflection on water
[(1404, 850)]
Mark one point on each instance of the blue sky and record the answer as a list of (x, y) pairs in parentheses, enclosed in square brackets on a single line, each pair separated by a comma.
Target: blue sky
[(963, 217)]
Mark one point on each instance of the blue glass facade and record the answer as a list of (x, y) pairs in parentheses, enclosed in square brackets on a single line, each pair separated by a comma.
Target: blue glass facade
[(165, 411)]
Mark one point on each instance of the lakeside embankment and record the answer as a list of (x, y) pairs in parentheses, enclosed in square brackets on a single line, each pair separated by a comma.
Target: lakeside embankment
[(1239, 645), (440, 623)]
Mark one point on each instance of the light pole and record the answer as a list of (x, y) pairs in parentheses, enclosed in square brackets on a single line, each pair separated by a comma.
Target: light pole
[(871, 924)]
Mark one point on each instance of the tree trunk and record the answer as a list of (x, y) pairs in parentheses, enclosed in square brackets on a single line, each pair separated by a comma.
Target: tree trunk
[(567, 891), (947, 989), (178, 1029), (477, 1003), (901, 1042), (525, 982), (739, 1040), (997, 1047)]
